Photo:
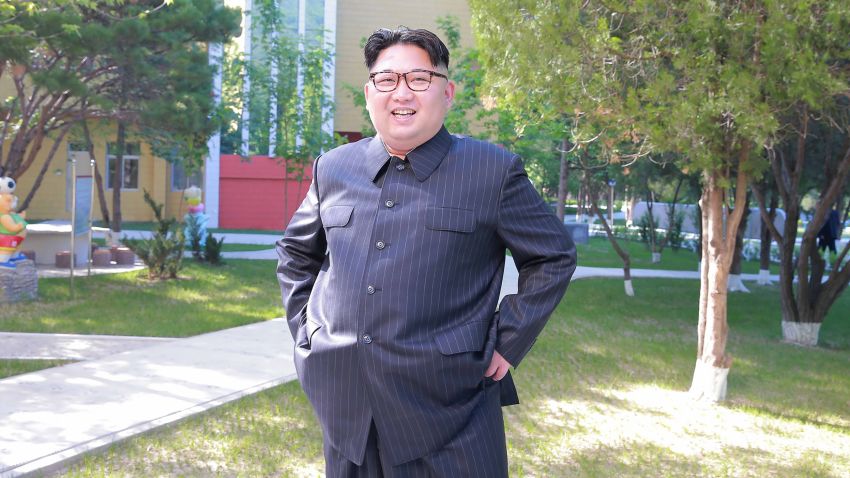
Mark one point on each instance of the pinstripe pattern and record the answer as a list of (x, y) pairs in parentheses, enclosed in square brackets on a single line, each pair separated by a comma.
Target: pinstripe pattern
[(390, 273)]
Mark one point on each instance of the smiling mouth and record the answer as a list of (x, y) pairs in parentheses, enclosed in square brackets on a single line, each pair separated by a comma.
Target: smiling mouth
[(403, 113)]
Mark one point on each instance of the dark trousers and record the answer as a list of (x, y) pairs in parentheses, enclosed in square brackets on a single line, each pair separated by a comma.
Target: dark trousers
[(477, 451)]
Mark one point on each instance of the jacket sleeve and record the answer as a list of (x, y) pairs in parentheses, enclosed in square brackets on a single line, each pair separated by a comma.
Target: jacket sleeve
[(545, 256), (300, 253)]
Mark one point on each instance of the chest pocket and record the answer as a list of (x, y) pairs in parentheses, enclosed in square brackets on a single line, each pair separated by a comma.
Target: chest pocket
[(449, 219), (336, 216)]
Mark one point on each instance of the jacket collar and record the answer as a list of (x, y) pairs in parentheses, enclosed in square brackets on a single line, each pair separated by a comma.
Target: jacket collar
[(424, 159)]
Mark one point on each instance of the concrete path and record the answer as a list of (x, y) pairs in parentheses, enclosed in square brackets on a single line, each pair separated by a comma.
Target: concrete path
[(16, 345), (54, 415)]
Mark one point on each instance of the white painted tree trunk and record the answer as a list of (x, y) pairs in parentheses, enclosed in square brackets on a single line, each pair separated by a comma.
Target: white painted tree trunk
[(709, 382), (764, 277), (112, 239), (656, 257), (801, 333), (630, 290), (736, 284), (718, 244)]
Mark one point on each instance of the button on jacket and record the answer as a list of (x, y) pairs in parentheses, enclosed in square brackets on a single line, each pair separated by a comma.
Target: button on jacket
[(390, 272)]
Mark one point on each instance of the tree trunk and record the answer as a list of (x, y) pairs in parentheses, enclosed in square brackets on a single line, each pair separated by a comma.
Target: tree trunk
[(652, 240), (117, 179), (656, 245), (766, 240), (630, 201), (580, 204), (700, 236), (627, 269), (671, 217), (736, 284), (563, 180), (806, 305), (713, 363)]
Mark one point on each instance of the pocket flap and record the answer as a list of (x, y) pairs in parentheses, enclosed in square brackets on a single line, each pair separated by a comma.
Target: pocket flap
[(336, 216), (468, 337), (449, 219), (305, 333)]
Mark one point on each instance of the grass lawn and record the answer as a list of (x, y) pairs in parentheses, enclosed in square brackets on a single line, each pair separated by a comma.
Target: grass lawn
[(227, 247), (599, 253), (9, 367), (603, 395), (207, 298)]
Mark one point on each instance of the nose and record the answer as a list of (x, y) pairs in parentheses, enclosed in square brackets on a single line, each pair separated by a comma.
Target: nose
[(402, 91)]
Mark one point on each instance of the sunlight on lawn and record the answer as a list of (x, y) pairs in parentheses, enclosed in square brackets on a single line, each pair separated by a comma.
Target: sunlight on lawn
[(648, 417)]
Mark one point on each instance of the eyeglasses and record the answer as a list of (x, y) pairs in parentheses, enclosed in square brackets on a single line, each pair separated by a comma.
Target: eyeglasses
[(419, 80)]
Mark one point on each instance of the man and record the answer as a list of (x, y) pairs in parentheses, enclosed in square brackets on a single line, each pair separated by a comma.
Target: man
[(391, 271)]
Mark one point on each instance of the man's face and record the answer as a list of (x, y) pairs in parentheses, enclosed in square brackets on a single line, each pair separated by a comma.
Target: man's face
[(404, 118)]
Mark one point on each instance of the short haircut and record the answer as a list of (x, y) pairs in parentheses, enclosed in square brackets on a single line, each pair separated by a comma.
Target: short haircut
[(384, 38)]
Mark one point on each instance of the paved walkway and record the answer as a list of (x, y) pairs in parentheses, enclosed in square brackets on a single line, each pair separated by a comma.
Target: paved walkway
[(54, 415), (127, 385)]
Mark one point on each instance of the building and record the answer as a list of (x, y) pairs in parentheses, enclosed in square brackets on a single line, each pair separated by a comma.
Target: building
[(344, 24)]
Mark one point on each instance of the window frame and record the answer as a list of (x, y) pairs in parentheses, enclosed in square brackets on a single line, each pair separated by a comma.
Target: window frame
[(188, 179), (127, 157)]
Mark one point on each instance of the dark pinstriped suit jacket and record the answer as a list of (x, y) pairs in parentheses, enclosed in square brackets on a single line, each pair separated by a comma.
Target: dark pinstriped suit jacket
[(391, 272)]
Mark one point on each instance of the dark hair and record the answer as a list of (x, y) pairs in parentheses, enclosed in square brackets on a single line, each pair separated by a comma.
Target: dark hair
[(384, 38)]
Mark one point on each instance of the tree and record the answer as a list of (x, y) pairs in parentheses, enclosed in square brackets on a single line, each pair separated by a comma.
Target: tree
[(594, 180), (40, 54), (160, 81), (705, 81), (139, 63), (659, 180), (816, 154), (287, 101)]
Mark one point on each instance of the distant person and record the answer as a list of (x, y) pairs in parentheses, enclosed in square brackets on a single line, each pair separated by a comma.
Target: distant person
[(830, 232), (391, 271)]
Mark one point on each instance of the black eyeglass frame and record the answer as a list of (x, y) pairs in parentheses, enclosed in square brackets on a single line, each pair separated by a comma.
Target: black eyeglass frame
[(399, 76)]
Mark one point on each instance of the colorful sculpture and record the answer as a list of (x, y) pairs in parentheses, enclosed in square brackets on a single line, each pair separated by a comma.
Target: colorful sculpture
[(195, 219), (13, 226)]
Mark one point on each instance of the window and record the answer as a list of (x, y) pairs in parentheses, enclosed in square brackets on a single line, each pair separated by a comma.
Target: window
[(130, 171), (179, 179)]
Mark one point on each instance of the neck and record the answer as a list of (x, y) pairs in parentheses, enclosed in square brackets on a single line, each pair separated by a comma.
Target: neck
[(401, 153)]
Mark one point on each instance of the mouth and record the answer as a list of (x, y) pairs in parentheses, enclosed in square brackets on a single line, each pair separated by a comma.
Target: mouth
[(403, 112)]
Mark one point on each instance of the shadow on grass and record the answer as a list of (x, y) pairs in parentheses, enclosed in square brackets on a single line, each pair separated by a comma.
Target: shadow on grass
[(604, 392)]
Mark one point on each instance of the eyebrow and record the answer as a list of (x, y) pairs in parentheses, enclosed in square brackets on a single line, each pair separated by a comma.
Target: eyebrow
[(408, 71)]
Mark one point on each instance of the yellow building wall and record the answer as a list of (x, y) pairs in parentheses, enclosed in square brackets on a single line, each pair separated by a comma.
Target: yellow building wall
[(175, 205), (357, 19), (49, 201)]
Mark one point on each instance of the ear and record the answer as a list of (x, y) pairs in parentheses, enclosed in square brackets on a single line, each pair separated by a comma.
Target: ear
[(449, 93)]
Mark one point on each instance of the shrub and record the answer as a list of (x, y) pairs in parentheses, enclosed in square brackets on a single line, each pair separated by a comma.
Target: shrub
[(193, 231), (674, 233), (163, 252), (648, 229), (212, 250)]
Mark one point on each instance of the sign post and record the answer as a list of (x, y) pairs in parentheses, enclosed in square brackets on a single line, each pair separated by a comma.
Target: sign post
[(82, 200)]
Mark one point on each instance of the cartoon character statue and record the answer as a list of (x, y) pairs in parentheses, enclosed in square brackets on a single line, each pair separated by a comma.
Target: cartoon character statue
[(13, 226), (196, 217)]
